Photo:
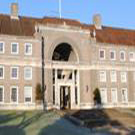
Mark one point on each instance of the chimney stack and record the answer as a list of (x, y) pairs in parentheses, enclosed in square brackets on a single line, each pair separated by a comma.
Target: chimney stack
[(14, 11), (97, 21)]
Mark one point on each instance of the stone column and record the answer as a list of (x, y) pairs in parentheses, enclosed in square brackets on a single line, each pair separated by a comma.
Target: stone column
[(73, 91), (78, 86), (56, 89)]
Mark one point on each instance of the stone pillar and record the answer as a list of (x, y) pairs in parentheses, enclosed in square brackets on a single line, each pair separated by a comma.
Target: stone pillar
[(56, 89), (78, 86), (73, 90)]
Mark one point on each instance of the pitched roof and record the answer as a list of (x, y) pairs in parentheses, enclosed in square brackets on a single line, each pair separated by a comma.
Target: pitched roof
[(25, 26)]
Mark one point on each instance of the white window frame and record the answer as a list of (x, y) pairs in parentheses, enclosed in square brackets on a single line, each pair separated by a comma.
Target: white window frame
[(112, 77), (124, 56), (3, 71), (16, 78), (28, 54), (3, 94), (104, 54), (15, 53), (102, 78), (126, 95), (11, 94), (104, 89), (114, 89), (114, 54), (132, 59), (123, 76), (31, 95), (25, 68), (3, 47)]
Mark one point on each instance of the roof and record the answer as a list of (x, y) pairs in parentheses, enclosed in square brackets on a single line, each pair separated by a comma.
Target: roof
[(25, 26)]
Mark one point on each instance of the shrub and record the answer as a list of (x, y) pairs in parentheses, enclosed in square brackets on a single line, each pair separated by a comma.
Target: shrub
[(39, 95), (97, 96)]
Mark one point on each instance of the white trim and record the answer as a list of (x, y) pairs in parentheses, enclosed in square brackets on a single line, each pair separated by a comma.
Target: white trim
[(124, 56), (1, 86), (28, 54), (114, 89), (113, 51), (1, 66), (15, 53), (16, 78), (3, 47), (31, 95), (104, 54), (31, 72), (11, 95)]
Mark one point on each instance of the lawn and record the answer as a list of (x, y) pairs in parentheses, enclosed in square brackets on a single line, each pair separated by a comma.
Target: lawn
[(37, 123), (98, 122), (109, 121)]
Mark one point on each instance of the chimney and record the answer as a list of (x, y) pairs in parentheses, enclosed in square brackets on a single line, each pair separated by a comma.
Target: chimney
[(97, 21), (14, 11)]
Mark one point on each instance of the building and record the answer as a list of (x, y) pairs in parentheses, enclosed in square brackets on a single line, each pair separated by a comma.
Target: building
[(70, 59)]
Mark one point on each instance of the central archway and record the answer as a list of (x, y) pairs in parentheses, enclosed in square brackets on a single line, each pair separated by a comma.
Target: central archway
[(65, 80), (64, 52)]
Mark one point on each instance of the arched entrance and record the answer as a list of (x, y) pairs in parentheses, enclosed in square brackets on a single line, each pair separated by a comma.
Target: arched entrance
[(65, 77)]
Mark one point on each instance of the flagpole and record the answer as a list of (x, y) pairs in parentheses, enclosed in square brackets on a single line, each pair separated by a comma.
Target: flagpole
[(60, 8)]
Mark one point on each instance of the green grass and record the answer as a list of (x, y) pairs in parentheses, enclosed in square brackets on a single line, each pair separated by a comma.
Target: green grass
[(37, 123)]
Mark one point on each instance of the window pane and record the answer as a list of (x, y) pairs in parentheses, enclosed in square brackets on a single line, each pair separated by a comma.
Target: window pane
[(14, 48), (14, 72), (113, 76), (28, 49), (124, 95), (1, 47), (112, 55), (28, 73), (14, 95), (103, 96), (102, 54), (102, 76), (28, 94), (114, 95), (1, 94), (1, 72), (122, 55), (123, 76)]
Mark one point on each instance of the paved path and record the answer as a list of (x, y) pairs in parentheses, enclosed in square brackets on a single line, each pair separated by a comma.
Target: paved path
[(62, 126)]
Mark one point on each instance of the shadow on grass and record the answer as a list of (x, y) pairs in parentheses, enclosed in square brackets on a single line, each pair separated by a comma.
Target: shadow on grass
[(17, 128), (99, 121), (62, 126)]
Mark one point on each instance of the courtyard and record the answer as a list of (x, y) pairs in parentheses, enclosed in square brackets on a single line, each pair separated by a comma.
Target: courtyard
[(108, 121)]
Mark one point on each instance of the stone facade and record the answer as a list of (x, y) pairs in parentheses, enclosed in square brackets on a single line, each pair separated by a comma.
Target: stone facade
[(68, 83)]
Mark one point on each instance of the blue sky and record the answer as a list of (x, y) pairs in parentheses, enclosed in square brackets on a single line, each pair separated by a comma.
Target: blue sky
[(118, 13)]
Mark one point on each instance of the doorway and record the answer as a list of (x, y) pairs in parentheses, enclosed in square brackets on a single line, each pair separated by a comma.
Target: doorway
[(65, 98)]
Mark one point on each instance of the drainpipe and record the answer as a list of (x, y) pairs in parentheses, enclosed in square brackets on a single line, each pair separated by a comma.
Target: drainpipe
[(43, 71)]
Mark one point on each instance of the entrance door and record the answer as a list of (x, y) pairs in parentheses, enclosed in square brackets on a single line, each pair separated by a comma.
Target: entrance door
[(65, 97)]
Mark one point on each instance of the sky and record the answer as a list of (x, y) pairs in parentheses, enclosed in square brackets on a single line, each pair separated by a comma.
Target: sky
[(116, 13)]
